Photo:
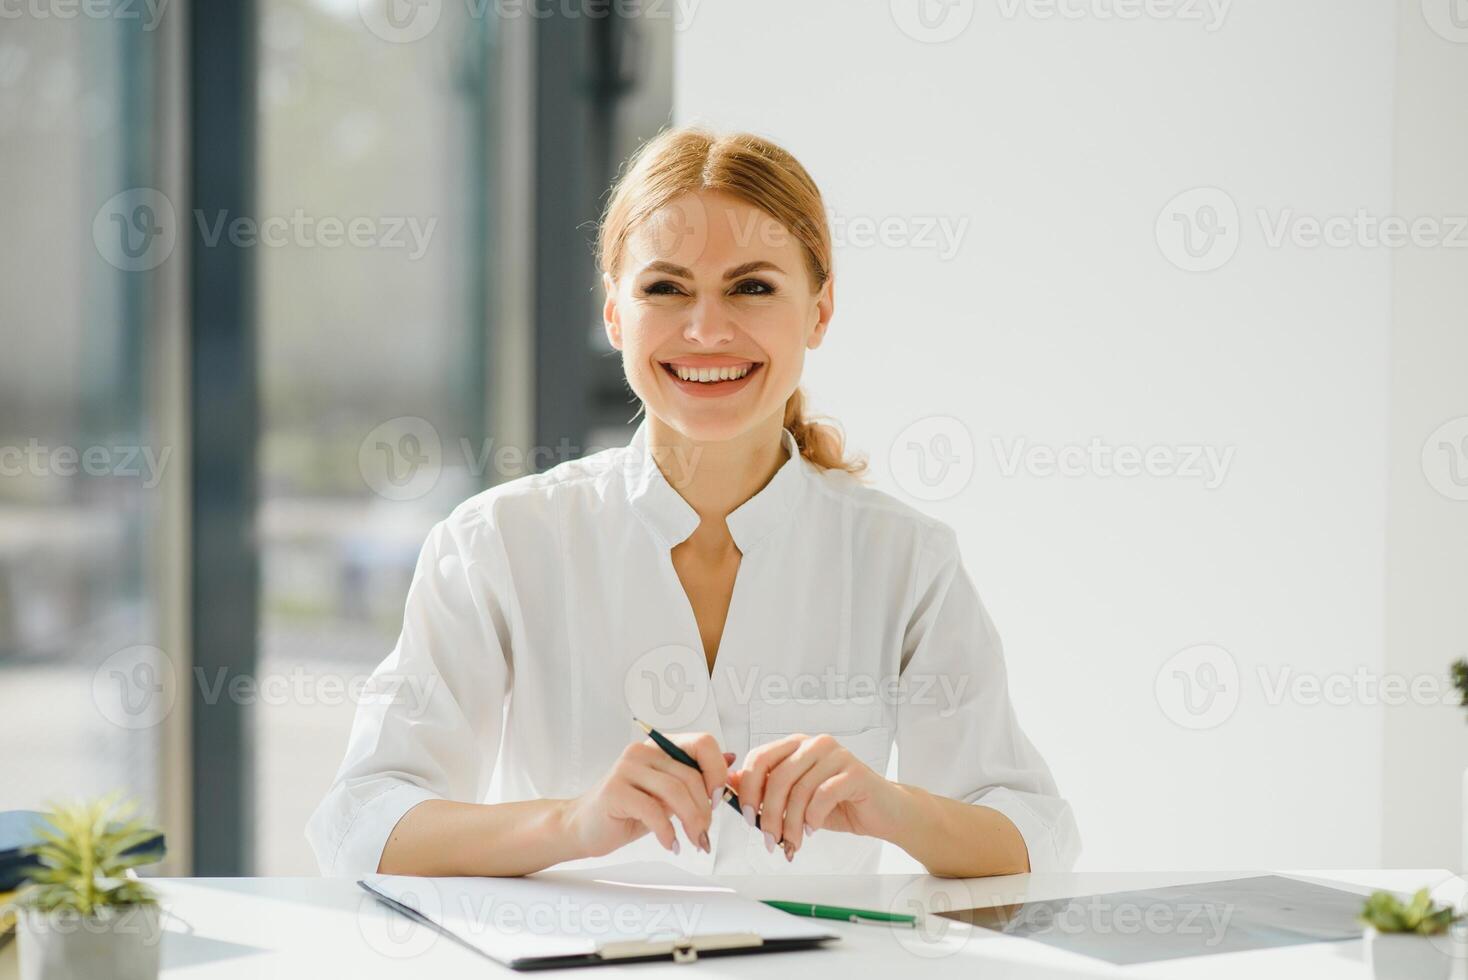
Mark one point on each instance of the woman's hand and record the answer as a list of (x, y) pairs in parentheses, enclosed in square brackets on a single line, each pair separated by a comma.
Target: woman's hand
[(804, 783), (644, 790)]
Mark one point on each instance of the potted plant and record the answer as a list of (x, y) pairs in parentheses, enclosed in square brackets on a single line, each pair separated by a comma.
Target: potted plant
[(81, 914), (1458, 671), (1400, 937)]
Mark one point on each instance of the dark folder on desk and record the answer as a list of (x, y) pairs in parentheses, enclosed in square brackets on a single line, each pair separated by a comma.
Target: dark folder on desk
[(20, 831), (594, 917), (1149, 925)]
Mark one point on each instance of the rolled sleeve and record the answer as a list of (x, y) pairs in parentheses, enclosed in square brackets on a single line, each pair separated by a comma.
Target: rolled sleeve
[(963, 740), (1045, 823), (429, 722), (348, 834)]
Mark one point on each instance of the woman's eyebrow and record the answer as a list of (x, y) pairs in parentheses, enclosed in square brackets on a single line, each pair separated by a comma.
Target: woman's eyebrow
[(758, 265), (669, 268)]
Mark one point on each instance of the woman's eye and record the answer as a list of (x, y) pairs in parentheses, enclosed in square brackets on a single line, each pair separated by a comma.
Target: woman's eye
[(754, 287), (661, 288)]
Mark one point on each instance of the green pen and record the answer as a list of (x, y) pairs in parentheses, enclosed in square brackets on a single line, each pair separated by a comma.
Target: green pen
[(844, 914)]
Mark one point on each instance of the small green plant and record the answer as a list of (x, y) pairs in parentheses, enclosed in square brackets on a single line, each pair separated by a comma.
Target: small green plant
[(84, 859), (1459, 670), (1421, 915)]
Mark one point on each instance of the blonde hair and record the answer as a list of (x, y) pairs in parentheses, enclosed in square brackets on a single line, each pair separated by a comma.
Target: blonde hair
[(758, 172)]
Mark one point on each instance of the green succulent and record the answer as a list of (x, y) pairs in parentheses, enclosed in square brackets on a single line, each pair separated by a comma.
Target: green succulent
[(84, 859), (1459, 671), (1388, 913)]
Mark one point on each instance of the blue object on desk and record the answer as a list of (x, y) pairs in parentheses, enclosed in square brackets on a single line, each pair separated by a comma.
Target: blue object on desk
[(18, 831)]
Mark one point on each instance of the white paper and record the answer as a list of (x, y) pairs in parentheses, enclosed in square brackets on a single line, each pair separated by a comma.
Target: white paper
[(565, 913)]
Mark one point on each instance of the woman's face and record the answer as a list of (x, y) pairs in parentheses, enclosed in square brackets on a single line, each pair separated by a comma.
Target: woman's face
[(713, 310)]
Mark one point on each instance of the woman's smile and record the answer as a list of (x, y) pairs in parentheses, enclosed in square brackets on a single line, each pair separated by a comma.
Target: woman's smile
[(710, 376)]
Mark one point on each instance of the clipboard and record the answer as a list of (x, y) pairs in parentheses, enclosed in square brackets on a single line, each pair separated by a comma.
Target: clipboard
[(669, 915)]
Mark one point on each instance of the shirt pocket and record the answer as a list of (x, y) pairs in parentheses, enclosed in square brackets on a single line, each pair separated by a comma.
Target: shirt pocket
[(858, 725)]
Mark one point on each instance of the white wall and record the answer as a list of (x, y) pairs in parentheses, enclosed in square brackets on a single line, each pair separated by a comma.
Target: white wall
[(1427, 524), (1060, 318)]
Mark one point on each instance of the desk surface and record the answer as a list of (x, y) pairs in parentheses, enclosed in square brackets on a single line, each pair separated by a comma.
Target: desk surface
[(281, 928)]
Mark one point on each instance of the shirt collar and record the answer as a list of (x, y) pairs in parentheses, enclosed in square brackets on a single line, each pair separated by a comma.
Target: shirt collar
[(673, 519)]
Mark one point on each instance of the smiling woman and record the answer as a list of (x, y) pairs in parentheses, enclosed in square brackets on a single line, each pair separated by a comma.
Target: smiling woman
[(727, 554), (693, 200)]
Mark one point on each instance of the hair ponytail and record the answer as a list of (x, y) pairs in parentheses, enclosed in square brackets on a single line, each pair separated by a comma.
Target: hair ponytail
[(822, 444), (758, 172)]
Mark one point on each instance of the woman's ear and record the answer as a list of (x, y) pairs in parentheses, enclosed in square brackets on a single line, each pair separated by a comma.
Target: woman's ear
[(825, 309), (610, 322)]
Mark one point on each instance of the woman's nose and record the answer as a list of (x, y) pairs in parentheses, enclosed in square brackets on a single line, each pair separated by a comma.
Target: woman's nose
[(709, 326)]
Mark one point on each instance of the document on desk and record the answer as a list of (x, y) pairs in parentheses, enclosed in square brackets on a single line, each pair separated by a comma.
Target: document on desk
[(585, 917), (1184, 920)]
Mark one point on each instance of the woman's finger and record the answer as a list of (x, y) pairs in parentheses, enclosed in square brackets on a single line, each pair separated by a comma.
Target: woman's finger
[(797, 823), (831, 793), (782, 777), (687, 775), (630, 803), (710, 758), (757, 765), (677, 798)]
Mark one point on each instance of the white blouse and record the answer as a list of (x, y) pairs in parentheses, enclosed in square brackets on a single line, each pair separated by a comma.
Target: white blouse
[(545, 613)]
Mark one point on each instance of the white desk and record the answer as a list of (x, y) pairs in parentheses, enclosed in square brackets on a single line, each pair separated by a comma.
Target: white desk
[(282, 928)]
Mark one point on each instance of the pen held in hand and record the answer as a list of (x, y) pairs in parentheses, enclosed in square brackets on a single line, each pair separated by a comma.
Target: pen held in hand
[(668, 746)]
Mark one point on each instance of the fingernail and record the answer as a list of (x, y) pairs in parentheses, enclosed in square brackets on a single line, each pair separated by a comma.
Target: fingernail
[(789, 853), (703, 841), (769, 842), (810, 831), (676, 848), (749, 815)]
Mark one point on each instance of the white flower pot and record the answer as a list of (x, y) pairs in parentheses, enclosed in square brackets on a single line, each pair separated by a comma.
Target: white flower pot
[(1406, 956), (119, 944)]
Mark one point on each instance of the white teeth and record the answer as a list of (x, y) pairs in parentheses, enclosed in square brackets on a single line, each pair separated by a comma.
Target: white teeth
[(707, 375)]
